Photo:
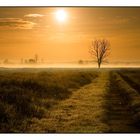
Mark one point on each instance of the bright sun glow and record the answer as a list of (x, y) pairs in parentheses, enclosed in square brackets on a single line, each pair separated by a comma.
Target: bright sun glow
[(61, 15)]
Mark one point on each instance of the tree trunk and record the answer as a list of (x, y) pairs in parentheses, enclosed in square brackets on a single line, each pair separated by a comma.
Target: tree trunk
[(99, 65)]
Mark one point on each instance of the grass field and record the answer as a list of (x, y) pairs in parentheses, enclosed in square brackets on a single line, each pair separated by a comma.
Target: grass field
[(70, 100)]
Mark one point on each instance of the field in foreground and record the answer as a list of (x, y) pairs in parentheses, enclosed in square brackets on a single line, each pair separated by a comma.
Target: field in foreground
[(70, 100)]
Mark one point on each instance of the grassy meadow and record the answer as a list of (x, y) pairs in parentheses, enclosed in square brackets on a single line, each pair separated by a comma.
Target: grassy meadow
[(69, 100), (28, 93)]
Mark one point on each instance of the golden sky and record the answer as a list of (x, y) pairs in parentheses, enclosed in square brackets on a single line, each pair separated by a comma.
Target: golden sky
[(25, 32)]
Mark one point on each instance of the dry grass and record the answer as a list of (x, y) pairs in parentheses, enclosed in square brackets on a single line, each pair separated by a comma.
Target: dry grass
[(27, 95), (69, 100), (82, 113)]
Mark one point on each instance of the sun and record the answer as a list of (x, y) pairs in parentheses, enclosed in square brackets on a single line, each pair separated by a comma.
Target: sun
[(61, 15)]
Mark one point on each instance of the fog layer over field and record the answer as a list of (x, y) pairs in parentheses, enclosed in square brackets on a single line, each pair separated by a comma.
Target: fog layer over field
[(71, 65)]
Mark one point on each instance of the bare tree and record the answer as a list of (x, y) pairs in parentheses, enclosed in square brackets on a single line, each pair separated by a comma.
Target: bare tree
[(100, 49)]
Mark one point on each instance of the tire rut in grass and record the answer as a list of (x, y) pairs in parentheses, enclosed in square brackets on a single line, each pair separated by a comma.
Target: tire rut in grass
[(119, 113), (130, 81)]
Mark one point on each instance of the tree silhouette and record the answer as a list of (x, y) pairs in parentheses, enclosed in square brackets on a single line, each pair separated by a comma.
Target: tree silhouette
[(100, 49), (36, 58)]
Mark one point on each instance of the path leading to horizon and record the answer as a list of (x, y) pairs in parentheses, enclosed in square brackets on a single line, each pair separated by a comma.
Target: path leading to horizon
[(91, 109)]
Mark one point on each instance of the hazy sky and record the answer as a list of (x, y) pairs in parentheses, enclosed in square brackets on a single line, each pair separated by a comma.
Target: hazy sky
[(25, 32)]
